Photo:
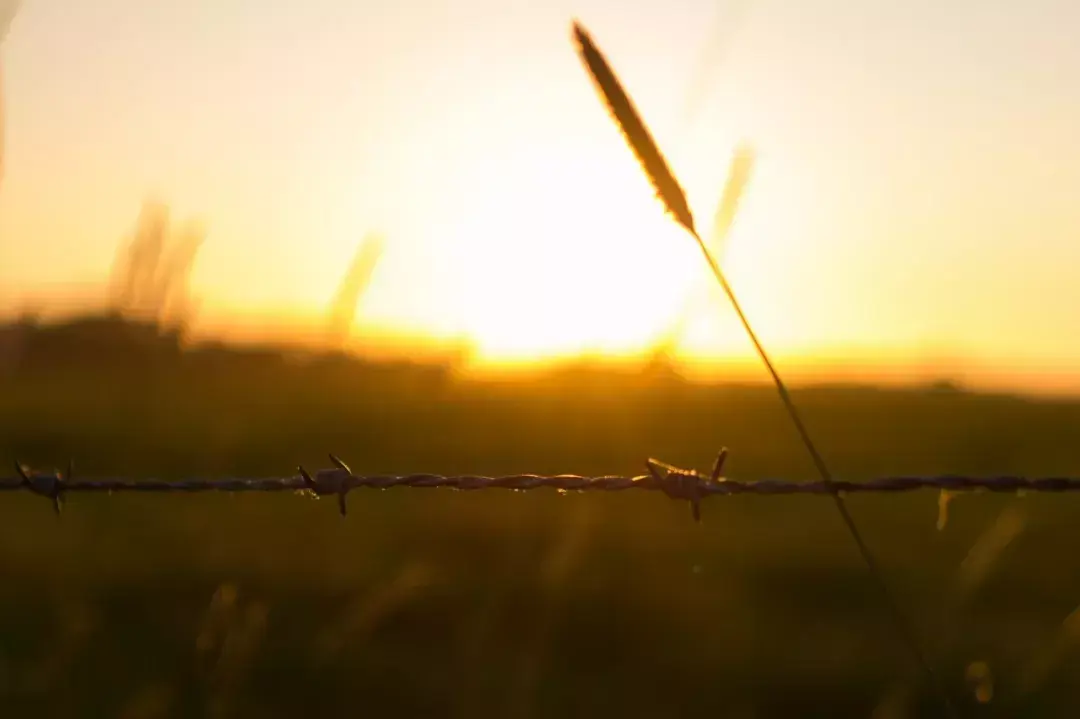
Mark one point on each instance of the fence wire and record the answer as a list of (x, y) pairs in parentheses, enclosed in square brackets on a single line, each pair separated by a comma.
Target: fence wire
[(677, 483)]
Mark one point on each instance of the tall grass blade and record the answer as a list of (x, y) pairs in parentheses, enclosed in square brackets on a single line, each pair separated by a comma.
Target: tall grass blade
[(8, 8), (732, 14), (742, 166), (353, 285), (739, 173), (652, 162), (637, 135)]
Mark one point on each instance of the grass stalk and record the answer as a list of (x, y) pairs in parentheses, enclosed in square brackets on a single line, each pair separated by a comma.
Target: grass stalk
[(671, 195)]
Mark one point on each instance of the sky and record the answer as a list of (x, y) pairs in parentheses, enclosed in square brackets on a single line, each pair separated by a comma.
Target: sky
[(913, 196)]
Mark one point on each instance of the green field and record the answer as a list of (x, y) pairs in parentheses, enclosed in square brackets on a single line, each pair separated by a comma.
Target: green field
[(440, 603)]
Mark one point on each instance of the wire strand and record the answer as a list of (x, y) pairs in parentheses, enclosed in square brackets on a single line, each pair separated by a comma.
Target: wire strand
[(1003, 484)]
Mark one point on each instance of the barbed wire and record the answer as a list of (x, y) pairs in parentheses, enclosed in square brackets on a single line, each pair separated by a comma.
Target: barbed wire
[(675, 482)]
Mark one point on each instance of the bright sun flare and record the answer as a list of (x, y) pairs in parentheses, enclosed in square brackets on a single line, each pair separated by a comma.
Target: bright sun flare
[(548, 256), (555, 246), (556, 263)]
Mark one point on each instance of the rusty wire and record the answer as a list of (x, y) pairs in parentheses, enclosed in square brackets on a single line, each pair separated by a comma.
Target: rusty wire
[(681, 484)]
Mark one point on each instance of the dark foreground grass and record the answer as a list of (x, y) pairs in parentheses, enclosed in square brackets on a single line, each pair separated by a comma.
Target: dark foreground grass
[(436, 603)]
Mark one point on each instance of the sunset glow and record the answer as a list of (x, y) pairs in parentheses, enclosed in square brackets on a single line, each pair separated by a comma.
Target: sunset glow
[(896, 186)]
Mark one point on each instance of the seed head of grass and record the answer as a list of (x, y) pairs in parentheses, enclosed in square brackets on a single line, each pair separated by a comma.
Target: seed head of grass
[(634, 130)]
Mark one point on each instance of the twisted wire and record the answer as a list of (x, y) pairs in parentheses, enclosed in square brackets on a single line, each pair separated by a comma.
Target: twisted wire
[(572, 483)]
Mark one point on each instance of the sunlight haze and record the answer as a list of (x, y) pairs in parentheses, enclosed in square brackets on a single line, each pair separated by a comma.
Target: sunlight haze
[(914, 196)]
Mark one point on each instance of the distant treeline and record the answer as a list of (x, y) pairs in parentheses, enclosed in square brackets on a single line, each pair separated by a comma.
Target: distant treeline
[(112, 345)]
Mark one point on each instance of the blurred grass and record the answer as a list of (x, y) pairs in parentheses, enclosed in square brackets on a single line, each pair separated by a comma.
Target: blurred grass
[(436, 603)]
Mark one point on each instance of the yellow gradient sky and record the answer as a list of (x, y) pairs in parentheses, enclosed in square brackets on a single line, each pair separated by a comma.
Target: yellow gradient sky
[(917, 188)]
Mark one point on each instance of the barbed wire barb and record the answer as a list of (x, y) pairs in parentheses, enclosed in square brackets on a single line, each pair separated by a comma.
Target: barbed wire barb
[(687, 484), (329, 481), (50, 485)]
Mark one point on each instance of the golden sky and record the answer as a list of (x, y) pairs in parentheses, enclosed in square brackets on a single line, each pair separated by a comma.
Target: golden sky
[(918, 166)]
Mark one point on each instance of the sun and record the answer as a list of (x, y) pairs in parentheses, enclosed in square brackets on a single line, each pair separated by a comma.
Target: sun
[(537, 237), (559, 249), (554, 258)]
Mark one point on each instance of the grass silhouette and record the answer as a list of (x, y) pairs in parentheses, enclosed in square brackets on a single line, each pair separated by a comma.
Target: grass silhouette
[(671, 194)]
